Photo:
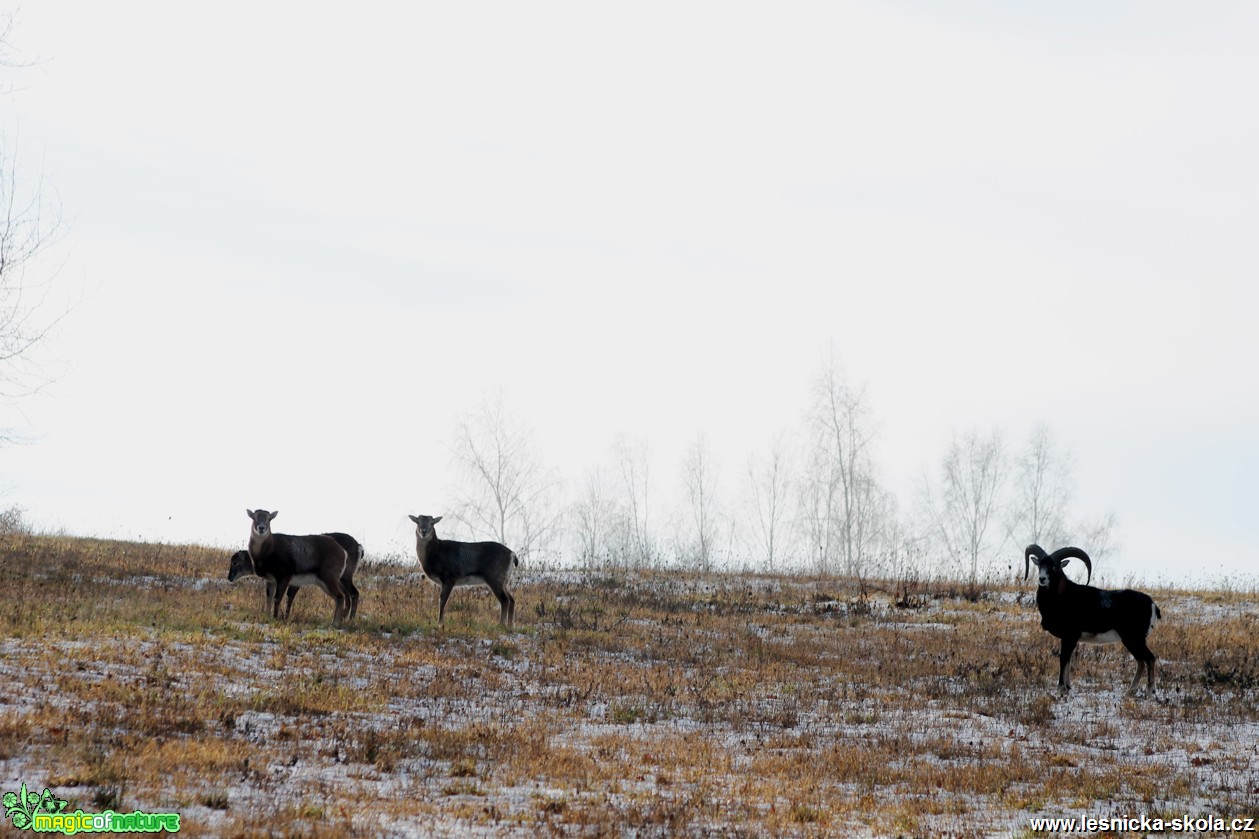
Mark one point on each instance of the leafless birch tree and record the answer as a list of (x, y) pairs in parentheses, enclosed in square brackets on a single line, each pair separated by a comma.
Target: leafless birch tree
[(967, 504), (633, 460), (770, 490), (699, 476), (1099, 535), (29, 224), (594, 521), (1042, 496), (838, 485), (506, 491), (1042, 491)]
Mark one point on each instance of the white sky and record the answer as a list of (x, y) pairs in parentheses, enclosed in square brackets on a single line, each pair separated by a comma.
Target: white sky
[(308, 236)]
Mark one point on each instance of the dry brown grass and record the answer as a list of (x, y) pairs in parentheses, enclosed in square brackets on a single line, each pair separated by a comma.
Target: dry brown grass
[(659, 704)]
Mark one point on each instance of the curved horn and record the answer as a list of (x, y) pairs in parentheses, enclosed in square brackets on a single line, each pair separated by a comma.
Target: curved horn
[(1077, 553), (1031, 551)]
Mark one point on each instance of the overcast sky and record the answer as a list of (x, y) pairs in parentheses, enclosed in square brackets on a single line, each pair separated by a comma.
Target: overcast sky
[(304, 239)]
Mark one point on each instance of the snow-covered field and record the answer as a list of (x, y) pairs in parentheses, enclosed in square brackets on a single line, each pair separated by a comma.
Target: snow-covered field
[(622, 704)]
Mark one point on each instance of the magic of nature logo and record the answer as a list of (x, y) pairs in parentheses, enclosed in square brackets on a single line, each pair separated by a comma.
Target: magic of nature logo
[(45, 813)]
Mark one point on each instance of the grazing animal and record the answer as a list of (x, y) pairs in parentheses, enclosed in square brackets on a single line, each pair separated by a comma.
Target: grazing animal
[(451, 564), (1074, 613), (242, 565), (297, 560)]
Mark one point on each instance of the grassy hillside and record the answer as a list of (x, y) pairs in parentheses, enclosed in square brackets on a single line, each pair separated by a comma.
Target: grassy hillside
[(135, 676)]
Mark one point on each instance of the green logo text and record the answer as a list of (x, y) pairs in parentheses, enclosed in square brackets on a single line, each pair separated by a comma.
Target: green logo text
[(45, 813)]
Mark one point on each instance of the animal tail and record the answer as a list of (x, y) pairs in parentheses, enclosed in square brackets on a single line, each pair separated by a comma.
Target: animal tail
[(515, 559)]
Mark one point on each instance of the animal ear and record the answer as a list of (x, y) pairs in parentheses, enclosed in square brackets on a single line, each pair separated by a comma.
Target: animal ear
[(413, 518), (1063, 564), (436, 520), (249, 513), (273, 515)]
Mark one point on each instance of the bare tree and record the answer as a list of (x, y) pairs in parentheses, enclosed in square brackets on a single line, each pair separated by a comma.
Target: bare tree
[(838, 486), (878, 528), (29, 224), (770, 485), (1042, 491), (633, 459), (1044, 487), (902, 543), (594, 520), (817, 494), (507, 493), (973, 473), (699, 475), (1099, 535), (13, 521)]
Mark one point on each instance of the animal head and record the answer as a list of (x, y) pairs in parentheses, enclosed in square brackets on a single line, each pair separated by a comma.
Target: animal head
[(424, 526), (242, 566), (262, 522), (1051, 565)]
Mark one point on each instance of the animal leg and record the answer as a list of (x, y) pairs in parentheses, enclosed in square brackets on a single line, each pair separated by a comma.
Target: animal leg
[(1145, 659), (288, 606), (1136, 680), (352, 590), (1064, 663), (281, 586), (506, 604), (332, 585), (447, 588)]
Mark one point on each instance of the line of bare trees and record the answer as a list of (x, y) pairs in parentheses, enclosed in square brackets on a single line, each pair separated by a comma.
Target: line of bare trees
[(811, 500)]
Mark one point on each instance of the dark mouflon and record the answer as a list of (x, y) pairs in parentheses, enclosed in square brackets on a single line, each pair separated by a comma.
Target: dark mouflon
[(450, 564), (286, 561), (1074, 613)]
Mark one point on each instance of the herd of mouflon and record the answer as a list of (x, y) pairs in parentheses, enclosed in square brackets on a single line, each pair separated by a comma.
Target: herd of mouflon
[(329, 561), (1069, 611)]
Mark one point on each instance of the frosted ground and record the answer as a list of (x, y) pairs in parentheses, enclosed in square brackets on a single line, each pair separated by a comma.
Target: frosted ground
[(623, 704)]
